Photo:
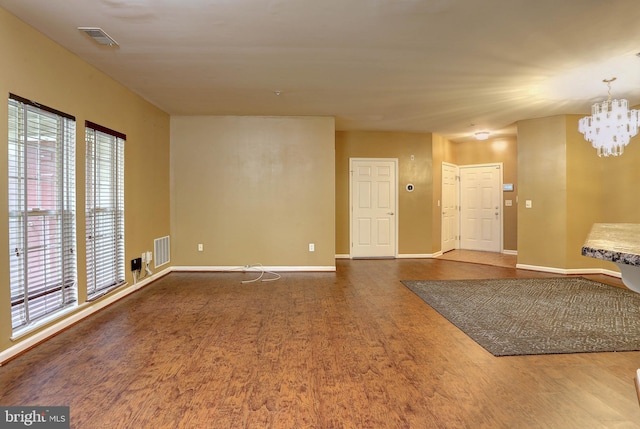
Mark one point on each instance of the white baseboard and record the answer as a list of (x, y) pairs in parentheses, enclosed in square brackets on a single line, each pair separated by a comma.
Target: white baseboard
[(222, 268), (402, 256), (637, 383), (611, 273), (510, 252), (81, 312), (419, 255), (569, 271)]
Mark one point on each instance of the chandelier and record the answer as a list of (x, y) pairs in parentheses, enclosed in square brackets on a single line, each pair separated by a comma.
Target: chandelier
[(610, 126)]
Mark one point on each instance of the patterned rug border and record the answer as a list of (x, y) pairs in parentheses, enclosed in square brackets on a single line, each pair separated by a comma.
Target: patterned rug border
[(532, 316)]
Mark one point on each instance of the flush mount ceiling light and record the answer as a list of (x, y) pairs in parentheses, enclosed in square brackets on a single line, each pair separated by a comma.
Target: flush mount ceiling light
[(99, 35), (482, 135), (610, 126)]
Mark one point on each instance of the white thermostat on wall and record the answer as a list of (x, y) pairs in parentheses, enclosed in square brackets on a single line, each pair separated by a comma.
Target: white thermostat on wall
[(410, 187)]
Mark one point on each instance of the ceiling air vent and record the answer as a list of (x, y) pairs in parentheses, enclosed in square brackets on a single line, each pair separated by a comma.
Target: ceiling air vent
[(99, 36)]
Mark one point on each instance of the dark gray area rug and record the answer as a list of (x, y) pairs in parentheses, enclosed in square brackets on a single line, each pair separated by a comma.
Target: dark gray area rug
[(537, 316)]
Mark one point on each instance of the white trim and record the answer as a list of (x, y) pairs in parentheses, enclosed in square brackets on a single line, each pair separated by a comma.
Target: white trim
[(456, 244), (611, 273), (253, 268), (510, 252), (419, 255), (24, 331), (85, 310), (637, 383), (401, 256), (569, 271)]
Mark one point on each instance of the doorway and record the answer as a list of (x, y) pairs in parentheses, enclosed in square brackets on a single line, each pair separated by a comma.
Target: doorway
[(472, 207), (450, 205), (374, 213), (480, 207)]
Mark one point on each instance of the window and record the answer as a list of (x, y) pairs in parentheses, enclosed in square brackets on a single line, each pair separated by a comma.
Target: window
[(42, 234), (105, 209)]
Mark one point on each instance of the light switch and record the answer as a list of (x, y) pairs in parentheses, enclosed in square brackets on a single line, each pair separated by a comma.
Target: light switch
[(508, 203), (527, 204)]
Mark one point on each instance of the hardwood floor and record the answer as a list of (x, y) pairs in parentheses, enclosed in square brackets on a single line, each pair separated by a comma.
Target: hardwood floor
[(351, 349), (487, 258)]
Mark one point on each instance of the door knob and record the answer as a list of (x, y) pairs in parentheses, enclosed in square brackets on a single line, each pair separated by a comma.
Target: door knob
[(390, 213)]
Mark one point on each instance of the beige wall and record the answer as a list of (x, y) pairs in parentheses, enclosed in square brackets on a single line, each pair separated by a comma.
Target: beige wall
[(571, 188), (253, 190), (542, 178), (620, 181), (607, 188), (415, 216), (584, 194), (504, 150), (34, 67)]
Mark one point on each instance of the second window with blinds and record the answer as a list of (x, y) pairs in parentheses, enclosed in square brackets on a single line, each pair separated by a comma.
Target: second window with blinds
[(105, 209)]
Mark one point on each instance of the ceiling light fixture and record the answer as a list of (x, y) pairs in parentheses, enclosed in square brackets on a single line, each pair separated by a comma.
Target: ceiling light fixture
[(99, 35), (482, 135), (610, 126)]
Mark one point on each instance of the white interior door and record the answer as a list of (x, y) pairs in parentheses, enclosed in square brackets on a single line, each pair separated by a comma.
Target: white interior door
[(373, 208), (450, 213), (480, 207)]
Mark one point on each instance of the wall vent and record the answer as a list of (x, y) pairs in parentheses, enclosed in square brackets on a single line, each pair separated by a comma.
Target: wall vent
[(161, 250)]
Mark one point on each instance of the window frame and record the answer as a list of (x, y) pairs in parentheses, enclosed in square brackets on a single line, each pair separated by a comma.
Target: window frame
[(41, 213), (104, 209)]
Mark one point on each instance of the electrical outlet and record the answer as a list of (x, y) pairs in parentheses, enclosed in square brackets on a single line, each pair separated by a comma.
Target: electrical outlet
[(149, 256), (312, 247), (144, 257), (136, 264)]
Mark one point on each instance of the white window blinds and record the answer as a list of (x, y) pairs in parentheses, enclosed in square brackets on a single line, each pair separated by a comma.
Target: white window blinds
[(105, 209), (42, 235)]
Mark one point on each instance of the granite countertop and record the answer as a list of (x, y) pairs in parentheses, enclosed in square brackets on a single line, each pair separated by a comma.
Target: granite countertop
[(615, 242)]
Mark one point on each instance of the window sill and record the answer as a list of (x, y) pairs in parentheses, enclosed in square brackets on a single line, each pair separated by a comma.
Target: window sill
[(26, 330)]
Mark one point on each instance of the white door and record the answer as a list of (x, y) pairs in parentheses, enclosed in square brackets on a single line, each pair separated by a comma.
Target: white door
[(373, 208), (480, 207), (450, 217)]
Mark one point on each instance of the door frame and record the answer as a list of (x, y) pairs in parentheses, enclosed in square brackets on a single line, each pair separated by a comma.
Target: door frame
[(499, 166), (352, 161), (441, 207)]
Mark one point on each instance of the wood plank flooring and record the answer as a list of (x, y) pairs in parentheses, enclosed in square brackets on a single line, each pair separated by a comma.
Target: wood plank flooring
[(351, 349), (487, 258)]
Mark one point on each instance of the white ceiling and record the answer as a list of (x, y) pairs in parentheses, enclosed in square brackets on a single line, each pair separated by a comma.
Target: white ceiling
[(395, 65)]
